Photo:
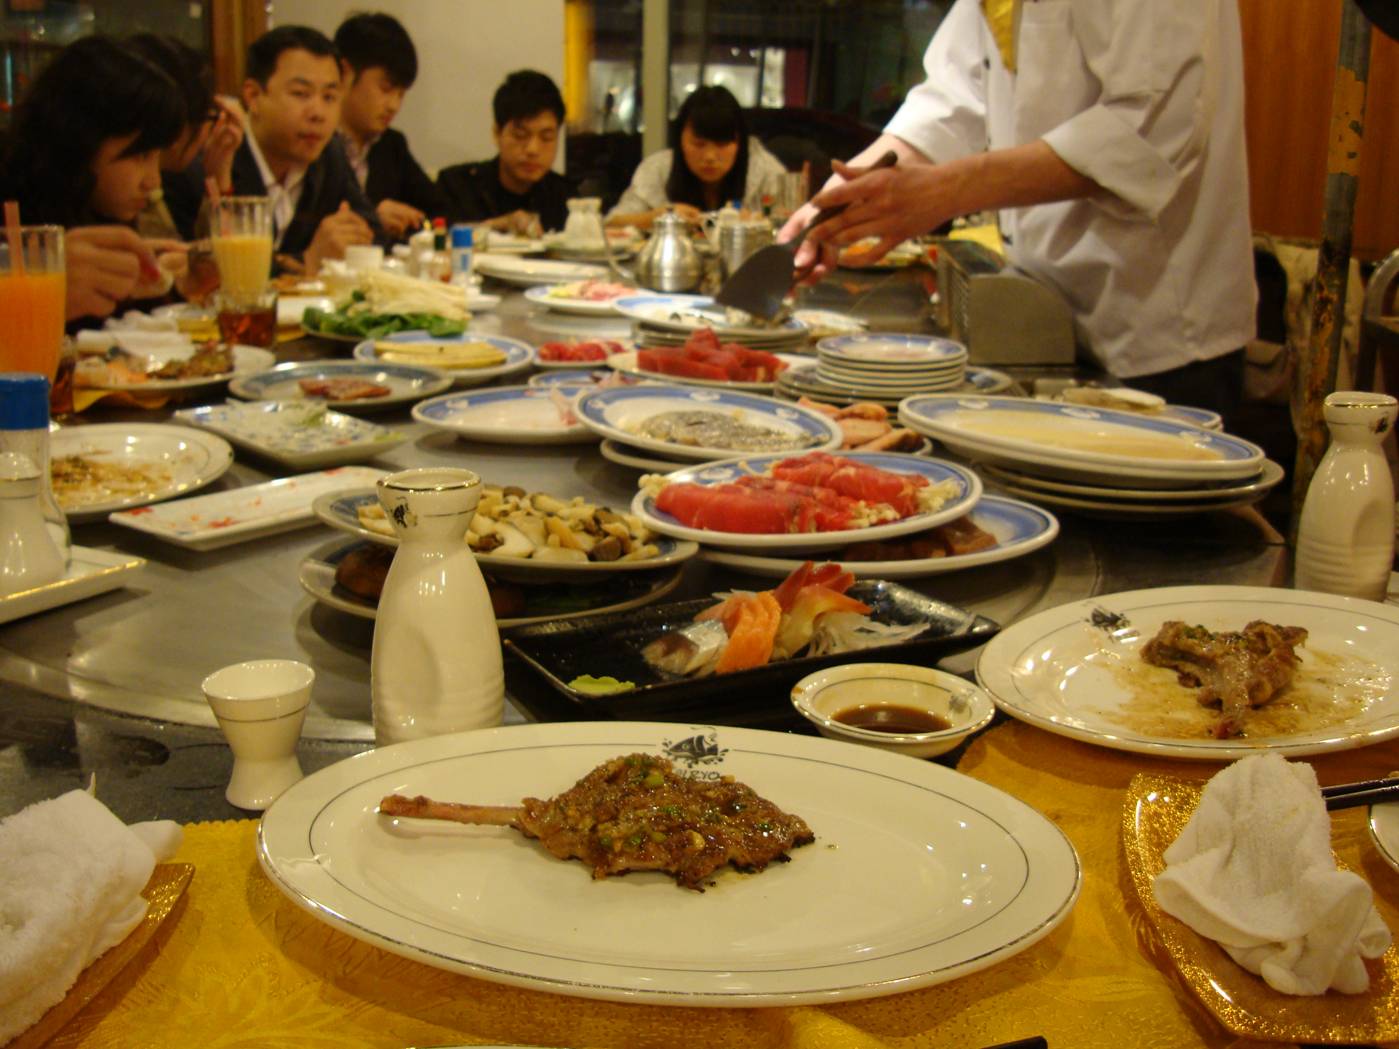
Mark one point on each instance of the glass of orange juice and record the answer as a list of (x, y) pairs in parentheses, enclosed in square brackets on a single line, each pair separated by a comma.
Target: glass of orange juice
[(242, 241), (32, 288)]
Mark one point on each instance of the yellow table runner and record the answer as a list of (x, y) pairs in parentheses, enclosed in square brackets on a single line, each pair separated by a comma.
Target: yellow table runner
[(240, 965)]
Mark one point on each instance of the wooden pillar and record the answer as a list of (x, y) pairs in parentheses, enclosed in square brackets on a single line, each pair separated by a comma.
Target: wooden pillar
[(233, 25), (1316, 371)]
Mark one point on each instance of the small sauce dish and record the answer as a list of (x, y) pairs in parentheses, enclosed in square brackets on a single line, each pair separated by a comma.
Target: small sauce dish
[(908, 709)]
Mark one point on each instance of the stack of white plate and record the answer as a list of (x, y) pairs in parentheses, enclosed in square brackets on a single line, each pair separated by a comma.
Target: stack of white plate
[(670, 320), (1095, 460), (884, 364), (804, 380)]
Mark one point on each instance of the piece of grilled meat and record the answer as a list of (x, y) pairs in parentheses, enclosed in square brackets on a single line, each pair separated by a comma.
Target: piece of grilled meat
[(1238, 670), (636, 813)]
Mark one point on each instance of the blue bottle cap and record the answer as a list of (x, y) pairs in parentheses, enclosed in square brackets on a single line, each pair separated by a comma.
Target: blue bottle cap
[(24, 401), (462, 236)]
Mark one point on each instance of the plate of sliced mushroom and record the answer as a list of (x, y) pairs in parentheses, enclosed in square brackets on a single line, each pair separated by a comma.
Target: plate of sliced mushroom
[(530, 536)]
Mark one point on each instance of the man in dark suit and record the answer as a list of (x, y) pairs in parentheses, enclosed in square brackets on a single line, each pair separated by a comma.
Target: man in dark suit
[(515, 190), (290, 154), (379, 63)]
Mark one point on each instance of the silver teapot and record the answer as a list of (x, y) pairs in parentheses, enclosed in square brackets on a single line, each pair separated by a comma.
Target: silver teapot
[(669, 261)]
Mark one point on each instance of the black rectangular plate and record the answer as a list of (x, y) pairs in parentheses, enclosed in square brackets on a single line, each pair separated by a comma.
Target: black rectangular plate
[(611, 644)]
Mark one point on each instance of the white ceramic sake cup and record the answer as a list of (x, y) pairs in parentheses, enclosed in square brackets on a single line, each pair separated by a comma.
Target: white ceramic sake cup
[(260, 706)]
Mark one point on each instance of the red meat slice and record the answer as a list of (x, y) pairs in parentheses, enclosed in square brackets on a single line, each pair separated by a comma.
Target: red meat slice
[(343, 389)]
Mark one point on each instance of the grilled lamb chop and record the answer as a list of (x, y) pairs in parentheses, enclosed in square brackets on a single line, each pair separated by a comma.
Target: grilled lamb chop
[(1236, 670), (636, 813)]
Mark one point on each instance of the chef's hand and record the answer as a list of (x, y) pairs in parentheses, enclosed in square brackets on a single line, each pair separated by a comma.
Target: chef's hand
[(104, 264), (337, 231), (398, 218)]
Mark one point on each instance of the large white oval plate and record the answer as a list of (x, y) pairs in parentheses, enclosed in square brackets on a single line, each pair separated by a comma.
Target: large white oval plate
[(1019, 528), (918, 874), (935, 470), (540, 296), (341, 510), (613, 411), (504, 415), (406, 382), (518, 355), (1096, 442), (1061, 672), (247, 360), (629, 364), (527, 273), (685, 313), (187, 458)]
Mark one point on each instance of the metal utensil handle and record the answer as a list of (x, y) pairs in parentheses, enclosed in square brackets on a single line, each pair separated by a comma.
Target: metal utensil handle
[(888, 160)]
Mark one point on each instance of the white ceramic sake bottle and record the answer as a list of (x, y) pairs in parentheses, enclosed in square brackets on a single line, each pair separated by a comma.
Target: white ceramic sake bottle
[(1345, 540), (28, 555), (436, 661)]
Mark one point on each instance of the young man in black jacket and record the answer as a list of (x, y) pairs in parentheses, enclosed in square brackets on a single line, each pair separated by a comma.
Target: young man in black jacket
[(379, 63), (515, 190), (291, 155)]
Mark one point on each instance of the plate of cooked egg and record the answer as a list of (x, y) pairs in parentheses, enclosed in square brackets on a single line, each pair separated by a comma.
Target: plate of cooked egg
[(470, 359)]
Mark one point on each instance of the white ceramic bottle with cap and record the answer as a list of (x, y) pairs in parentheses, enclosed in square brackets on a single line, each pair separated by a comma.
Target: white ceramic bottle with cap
[(1345, 539), (28, 555), (436, 664), (24, 428)]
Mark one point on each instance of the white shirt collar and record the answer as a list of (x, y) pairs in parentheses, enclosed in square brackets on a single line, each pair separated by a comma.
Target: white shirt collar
[(282, 196)]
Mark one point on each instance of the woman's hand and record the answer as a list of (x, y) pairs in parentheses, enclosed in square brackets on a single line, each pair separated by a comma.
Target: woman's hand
[(104, 266), (223, 141)]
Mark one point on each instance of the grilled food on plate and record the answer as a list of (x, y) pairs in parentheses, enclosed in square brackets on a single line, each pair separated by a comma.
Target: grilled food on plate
[(635, 813)]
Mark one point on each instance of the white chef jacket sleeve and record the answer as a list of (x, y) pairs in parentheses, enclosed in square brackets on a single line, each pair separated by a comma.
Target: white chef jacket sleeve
[(1157, 64), (945, 116)]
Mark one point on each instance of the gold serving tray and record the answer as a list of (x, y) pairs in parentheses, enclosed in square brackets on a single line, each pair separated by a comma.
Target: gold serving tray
[(1156, 811), (162, 892)]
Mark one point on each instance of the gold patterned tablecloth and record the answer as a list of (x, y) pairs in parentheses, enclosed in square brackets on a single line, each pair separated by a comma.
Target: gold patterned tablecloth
[(242, 966)]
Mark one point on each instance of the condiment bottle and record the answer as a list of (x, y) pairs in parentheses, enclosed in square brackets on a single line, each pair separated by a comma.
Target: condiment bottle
[(435, 666), (1345, 539), (28, 555), (24, 428), (463, 237)]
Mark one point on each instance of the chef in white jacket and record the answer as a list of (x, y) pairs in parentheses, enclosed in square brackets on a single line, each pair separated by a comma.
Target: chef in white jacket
[(1108, 135)]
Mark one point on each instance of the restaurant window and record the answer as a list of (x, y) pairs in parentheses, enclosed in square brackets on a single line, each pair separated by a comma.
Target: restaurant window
[(33, 30), (851, 61)]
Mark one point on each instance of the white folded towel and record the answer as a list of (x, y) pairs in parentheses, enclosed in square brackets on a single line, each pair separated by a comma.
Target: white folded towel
[(73, 875), (136, 320), (1253, 870)]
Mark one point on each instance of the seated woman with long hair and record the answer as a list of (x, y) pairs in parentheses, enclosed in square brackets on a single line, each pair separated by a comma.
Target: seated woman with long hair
[(719, 163), (83, 152)]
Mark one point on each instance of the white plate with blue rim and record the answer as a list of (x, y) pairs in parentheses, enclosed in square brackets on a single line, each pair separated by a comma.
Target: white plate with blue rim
[(890, 352), (341, 510), (1019, 529), (1076, 670), (578, 378), (526, 273), (620, 412), (967, 874), (962, 491), (553, 297), (1080, 443), (405, 383), (518, 355), (507, 415), (298, 435), (686, 313)]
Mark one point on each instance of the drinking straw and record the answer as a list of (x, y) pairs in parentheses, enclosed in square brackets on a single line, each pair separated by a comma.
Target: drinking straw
[(13, 235), (212, 185)]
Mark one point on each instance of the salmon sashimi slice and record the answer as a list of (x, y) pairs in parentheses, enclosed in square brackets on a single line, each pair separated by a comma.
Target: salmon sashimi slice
[(798, 622), (754, 631)]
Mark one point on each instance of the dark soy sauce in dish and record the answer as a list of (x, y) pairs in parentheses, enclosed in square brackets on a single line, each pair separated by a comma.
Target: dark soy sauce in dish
[(892, 718)]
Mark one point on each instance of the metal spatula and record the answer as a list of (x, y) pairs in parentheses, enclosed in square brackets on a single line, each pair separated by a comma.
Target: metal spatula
[(763, 281)]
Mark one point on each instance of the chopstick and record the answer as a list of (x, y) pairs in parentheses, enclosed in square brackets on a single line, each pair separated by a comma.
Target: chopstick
[(12, 233), (1366, 792), (1037, 1042)]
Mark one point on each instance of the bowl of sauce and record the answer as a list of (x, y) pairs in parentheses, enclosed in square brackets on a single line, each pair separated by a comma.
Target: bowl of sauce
[(907, 709)]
